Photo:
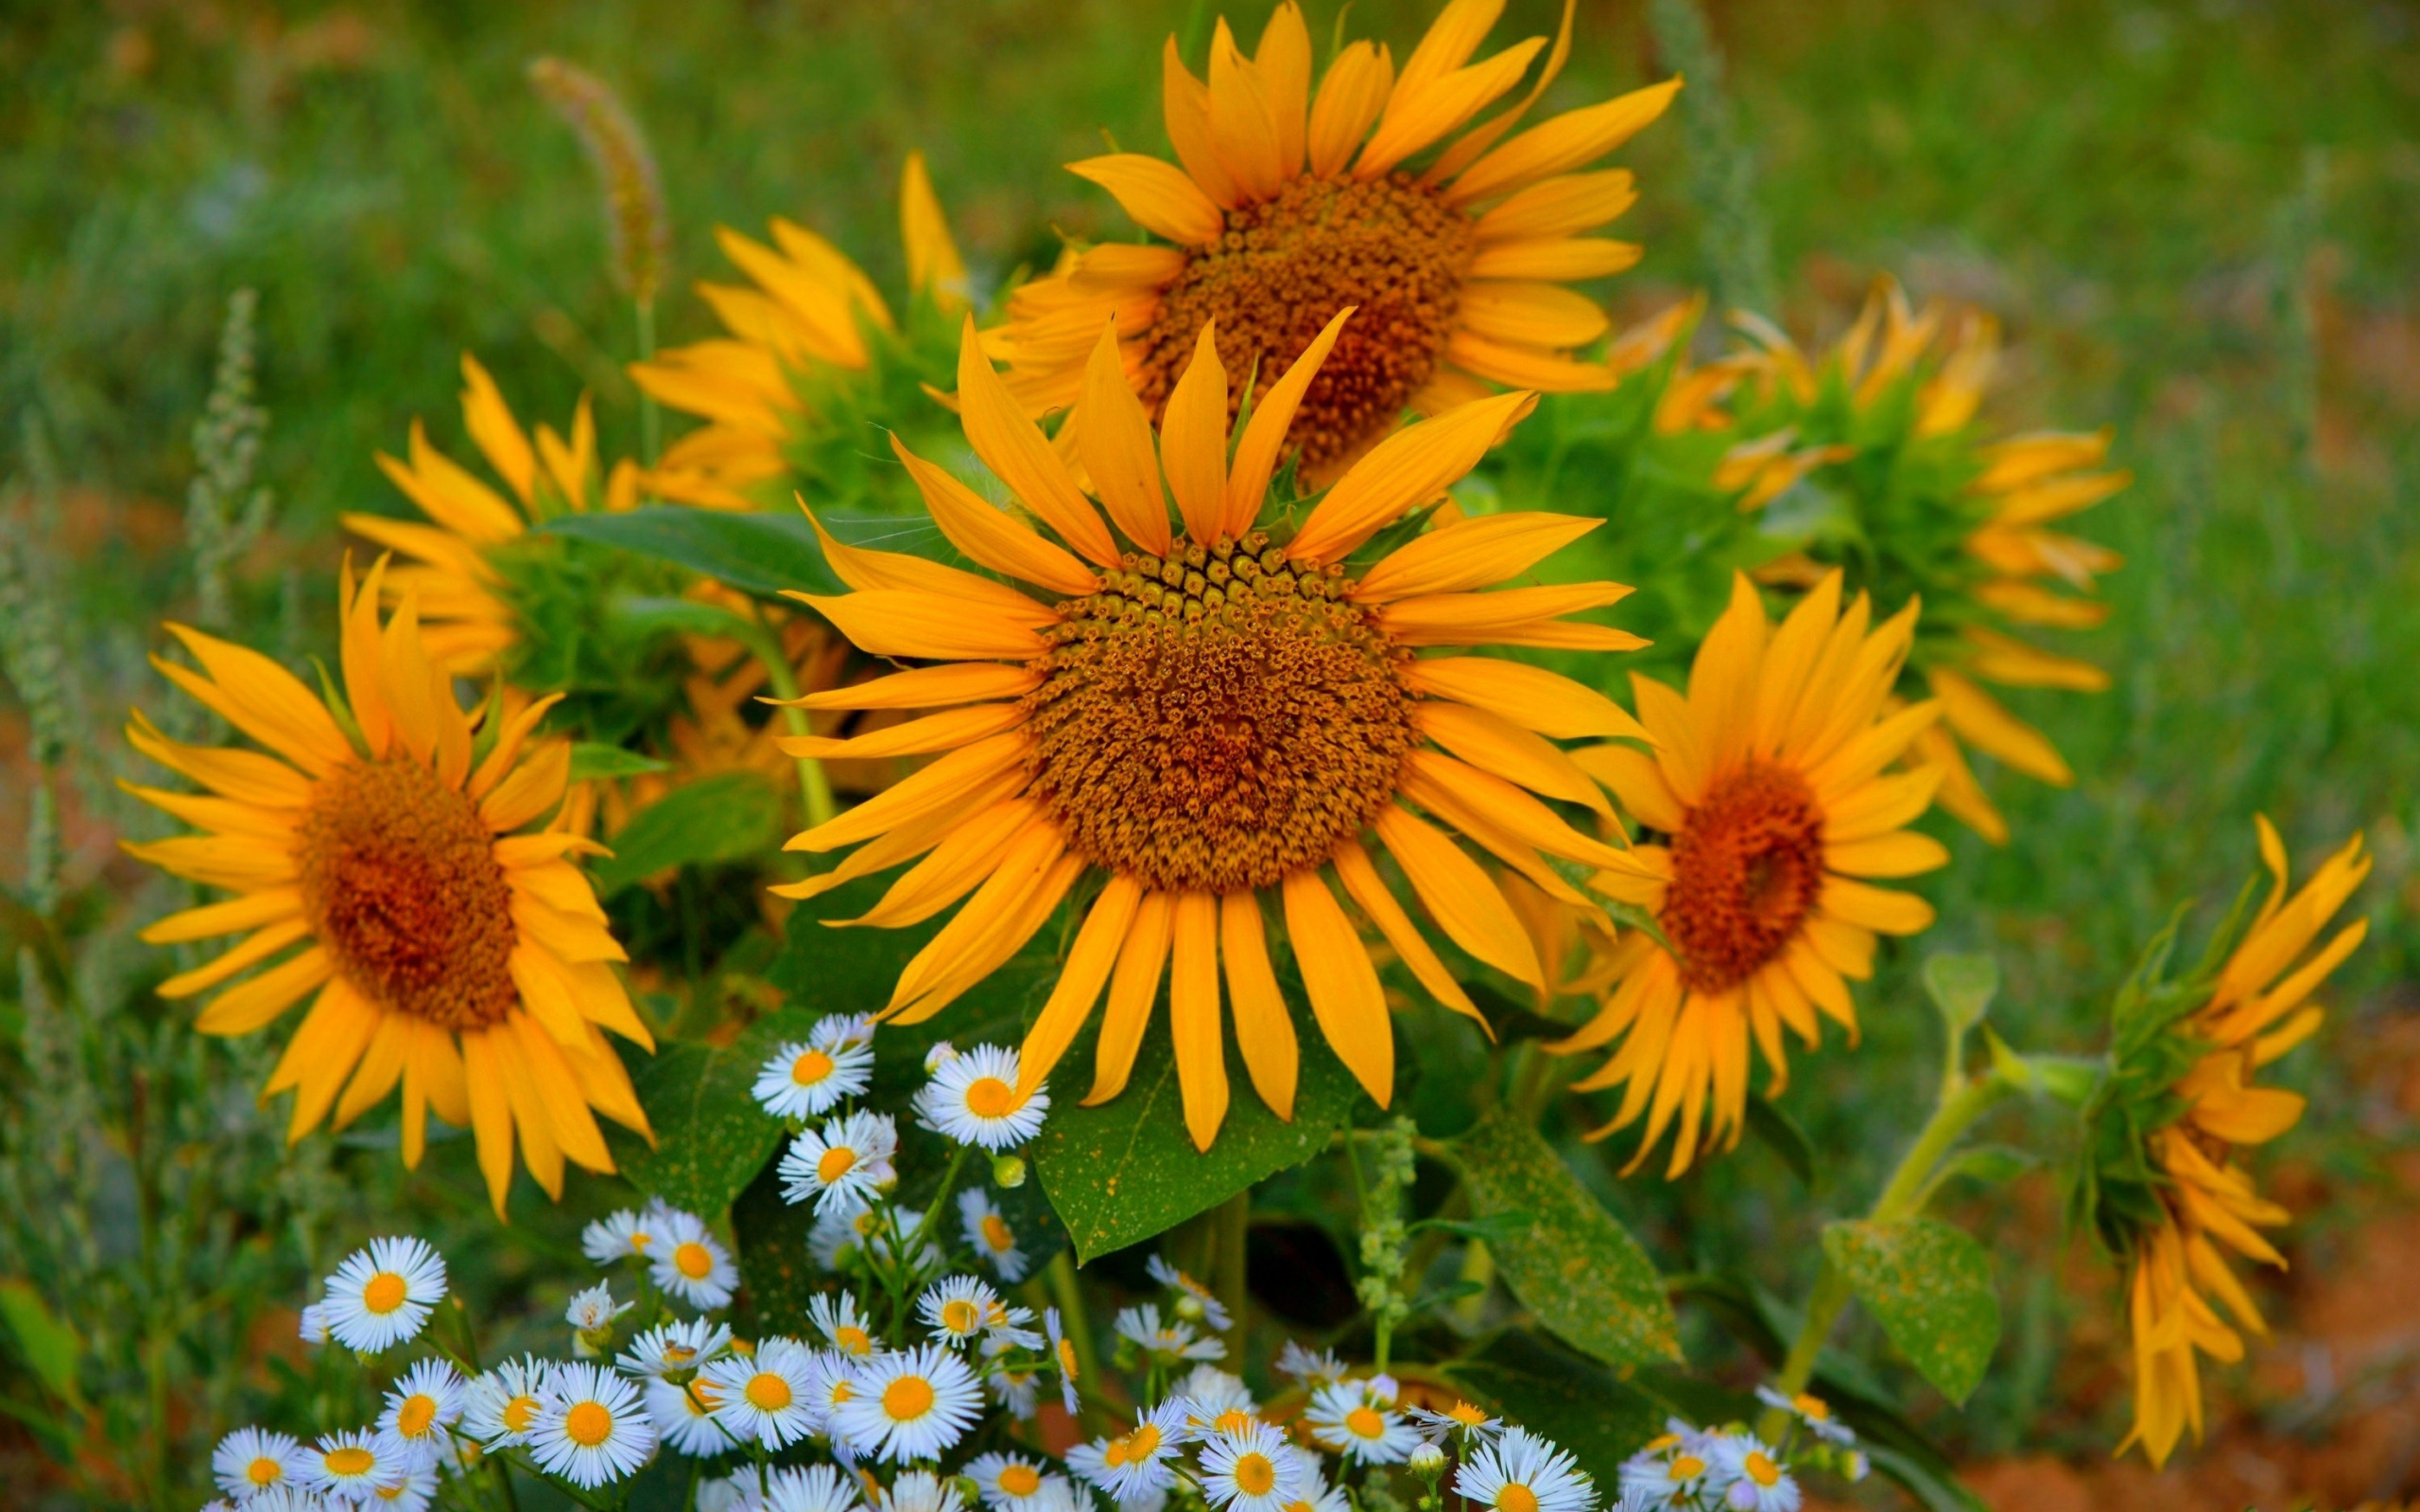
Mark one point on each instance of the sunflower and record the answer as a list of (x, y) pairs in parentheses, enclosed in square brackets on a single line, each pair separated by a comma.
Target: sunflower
[(810, 346), (2208, 1203), (469, 623), (1291, 204), (1885, 423), (382, 836), (1206, 715), (1767, 786)]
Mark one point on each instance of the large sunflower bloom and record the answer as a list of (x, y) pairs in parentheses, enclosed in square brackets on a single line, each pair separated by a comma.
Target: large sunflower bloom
[(1767, 781), (1292, 204), (1206, 717), (810, 316), (2209, 1203), (466, 622), (450, 951)]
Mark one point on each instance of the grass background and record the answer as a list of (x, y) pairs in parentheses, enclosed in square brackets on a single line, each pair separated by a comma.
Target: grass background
[(2198, 223)]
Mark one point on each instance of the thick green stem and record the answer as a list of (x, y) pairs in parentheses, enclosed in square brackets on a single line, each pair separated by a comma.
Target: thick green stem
[(813, 784), (1234, 1223), (1962, 1102)]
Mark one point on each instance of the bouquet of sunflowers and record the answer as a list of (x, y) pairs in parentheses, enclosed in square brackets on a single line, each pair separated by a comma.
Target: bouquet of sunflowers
[(1303, 644)]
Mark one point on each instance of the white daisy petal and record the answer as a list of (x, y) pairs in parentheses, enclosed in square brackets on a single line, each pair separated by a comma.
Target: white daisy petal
[(381, 1296), (842, 1165), (1522, 1472), (808, 1079), (989, 1235), (973, 1099), (767, 1396), (251, 1460), (909, 1405), (591, 1427)]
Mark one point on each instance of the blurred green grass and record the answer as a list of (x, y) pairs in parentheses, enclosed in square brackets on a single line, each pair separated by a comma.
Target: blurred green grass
[(2198, 224)]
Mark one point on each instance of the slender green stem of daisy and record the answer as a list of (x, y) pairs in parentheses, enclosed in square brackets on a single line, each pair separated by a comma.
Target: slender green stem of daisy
[(1234, 1228), (697, 1473), (529, 1463), (813, 784), (1962, 1101), (1061, 1274), (940, 1194), (650, 414)]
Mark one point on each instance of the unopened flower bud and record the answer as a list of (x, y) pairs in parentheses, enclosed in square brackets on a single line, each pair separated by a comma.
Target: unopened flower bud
[(1008, 1172), (1427, 1461)]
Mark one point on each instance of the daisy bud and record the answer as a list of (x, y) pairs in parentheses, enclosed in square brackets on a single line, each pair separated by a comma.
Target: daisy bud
[(1008, 1172), (1428, 1462)]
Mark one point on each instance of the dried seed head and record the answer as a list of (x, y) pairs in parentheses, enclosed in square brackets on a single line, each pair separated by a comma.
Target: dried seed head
[(636, 223)]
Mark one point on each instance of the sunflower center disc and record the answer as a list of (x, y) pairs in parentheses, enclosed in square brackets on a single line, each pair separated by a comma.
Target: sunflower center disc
[(1284, 268), (1746, 867), (401, 883), (1214, 721)]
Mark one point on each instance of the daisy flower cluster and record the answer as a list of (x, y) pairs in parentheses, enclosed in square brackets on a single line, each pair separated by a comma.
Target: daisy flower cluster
[(1730, 1469)]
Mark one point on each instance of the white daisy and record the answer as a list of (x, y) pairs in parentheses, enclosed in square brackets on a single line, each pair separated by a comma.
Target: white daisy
[(347, 1467), (1748, 1477), (843, 1164), (766, 1397), (1462, 1417), (973, 1099), (421, 1408), (315, 1323), (593, 1312), (500, 1404), (1060, 1494), (1005, 1328), (1210, 1394), (837, 1031), (1017, 1391), (956, 1307), (591, 1427), (1063, 1354), (989, 1235), (726, 1493), (684, 1415), (1316, 1494), (816, 1489), (381, 1296), (831, 1380), (1669, 1468), (250, 1460), (1522, 1472), (920, 1492), (1313, 1371), (804, 1079), (940, 1055), (674, 1349), (1135, 1463), (909, 1405), (1249, 1469), (1425, 1460), (1358, 1420), (1195, 1302), (1170, 1342), (842, 1322), (1814, 1411), (417, 1493), (622, 1235), (1006, 1483), (276, 1499), (691, 1263)]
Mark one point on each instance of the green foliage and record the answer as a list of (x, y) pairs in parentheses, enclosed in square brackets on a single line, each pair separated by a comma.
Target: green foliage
[(1577, 1269), (621, 675), (728, 816), (590, 761), (1962, 986), (1596, 1414), (762, 553), (709, 1136), (1931, 1286), (48, 1342)]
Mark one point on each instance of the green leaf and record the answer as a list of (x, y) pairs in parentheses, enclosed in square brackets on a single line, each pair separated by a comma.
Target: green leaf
[(1991, 1164), (590, 760), (1536, 1384), (639, 616), (777, 1275), (1962, 988), (709, 1136), (1574, 1268), (1782, 1133), (760, 554), (49, 1344), (1122, 1172), (729, 816), (1931, 1287)]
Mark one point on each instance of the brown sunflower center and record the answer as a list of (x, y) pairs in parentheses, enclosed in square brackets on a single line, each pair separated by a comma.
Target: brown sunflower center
[(400, 880), (1215, 720), (1746, 867), (1281, 272)]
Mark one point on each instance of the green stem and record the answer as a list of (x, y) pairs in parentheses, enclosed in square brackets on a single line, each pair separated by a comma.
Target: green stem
[(1233, 1227), (651, 416), (1962, 1102), (924, 1230), (1061, 1274), (813, 784)]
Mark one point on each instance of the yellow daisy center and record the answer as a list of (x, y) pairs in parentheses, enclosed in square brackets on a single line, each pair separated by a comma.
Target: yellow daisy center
[(835, 1162), (1746, 869), (1468, 1416), (768, 1392), (991, 1097), (1067, 1360), (1020, 1480), (349, 1460), (1233, 1420), (265, 1472), (518, 1412), (1687, 1467), (960, 1315), (1284, 268), (1815, 1407), (810, 1067), (995, 1232), (841, 1391), (1255, 1474), (907, 1398), (678, 1354), (854, 1340), (588, 1424), (401, 883), (383, 1293), (1128, 1449), (1516, 1497), (1216, 720), (1761, 1469), (413, 1418), (694, 1261), (701, 1399), (1364, 1423)]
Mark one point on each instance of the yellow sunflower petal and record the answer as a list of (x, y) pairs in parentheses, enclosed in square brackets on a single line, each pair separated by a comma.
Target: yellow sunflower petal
[(1351, 96), (1095, 950), (1113, 437), (1980, 719), (933, 264), (1559, 207), (1530, 315), (1475, 552), (1548, 702), (916, 737), (1346, 1000), (1193, 1014), (1184, 101), (1018, 454), (1193, 440), (1874, 908), (494, 432), (261, 698), (1132, 989), (1498, 745), (1284, 60), (1158, 195), (1406, 469), (490, 1113), (1368, 891), (1558, 260), (904, 622), (1465, 904), (1569, 141), (1243, 121), (988, 536), (1263, 437), (252, 1005), (236, 914), (925, 688), (1264, 1029)]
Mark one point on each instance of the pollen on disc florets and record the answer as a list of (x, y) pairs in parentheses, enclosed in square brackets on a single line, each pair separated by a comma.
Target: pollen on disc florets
[(1747, 864), (1215, 719), (401, 885), (1284, 268)]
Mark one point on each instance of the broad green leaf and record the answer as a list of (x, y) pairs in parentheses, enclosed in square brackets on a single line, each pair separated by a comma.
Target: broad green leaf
[(1579, 1405), (1577, 1269), (49, 1344), (1931, 1287), (777, 1275), (1786, 1140), (710, 1135), (590, 760), (728, 816), (1122, 1172), (761, 554), (1962, 986), (640, 615)]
